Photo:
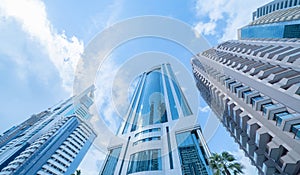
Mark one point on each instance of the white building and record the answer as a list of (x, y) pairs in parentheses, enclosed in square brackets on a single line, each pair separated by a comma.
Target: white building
[(160, 135)]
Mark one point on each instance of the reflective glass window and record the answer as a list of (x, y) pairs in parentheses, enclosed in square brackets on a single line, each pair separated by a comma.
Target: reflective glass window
[(279, 117), (146, 140), (246, 93), (264, 107), (237, 88), (149, 160), (151, 107), (296, 130), (181, 98), (111, 162), (255, 99), (147, 131), (191, 156), (173, 108)]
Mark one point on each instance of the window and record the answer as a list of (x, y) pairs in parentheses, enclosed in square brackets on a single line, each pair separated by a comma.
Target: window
[(147, 131), (191, 155), (149, 160), (286, 4), (111, 162), (255, 99), (279, 117), (264, 107), (296, 130), (246, 93), (238, 87), (146, 140)]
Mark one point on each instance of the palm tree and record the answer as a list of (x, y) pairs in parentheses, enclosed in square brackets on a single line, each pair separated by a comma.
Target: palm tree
[(78, 172), (225, 163)]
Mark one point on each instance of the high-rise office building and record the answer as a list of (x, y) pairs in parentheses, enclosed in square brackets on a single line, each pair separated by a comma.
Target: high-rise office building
[(253, 86), (275, 5), (277, 19), (160, 135), (51, 142)]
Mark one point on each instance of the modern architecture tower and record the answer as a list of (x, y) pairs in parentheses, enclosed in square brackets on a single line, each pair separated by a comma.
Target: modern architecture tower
[(277, 19), (253, 86), (160, 135), (51, 142)]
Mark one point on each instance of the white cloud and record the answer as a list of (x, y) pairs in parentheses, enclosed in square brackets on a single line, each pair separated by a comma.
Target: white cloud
[(236, 14), (241, 158), (204, 109), (63, 52), (206, 28), (92, 162), (112, 93)]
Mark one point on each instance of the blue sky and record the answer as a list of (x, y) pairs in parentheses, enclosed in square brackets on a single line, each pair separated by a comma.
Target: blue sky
[(41, 42)]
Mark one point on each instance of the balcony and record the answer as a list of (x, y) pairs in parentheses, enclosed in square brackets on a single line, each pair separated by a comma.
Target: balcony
[(259, 157), (269, 167), (244, 139), (290, 162), (244, 117), (252, 127), (262, 138), (296, 131)]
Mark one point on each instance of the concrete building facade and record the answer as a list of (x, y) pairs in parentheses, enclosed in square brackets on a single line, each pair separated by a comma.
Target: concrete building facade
[(253, 86), (51, 142)]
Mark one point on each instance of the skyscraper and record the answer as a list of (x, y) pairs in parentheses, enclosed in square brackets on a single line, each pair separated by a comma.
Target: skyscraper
[(51, 142), (277, 19), (253, 86), (160, 135)]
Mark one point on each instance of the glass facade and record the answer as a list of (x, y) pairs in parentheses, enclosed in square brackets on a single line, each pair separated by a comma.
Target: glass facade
[(147, 131), (275, 30), (191, 155), (149, 99), (296, 131), (111, 161), (173, 109), (158, 109), (151, 107), (149, 160)]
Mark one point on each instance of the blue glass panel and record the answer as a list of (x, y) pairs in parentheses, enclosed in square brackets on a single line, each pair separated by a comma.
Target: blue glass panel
[(146, 140), (246, 93), (183, 103), (295, 128), (237, 88), (255, 99), (151, 107), (149, 160), (265, 107), (147, 131), (279, 117), (191, 156), (110, 164), (174, 112), (134, 98)]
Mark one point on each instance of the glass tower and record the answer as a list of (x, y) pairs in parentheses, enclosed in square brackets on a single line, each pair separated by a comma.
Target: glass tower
[(277, 19), (159, 135), (51, 142)]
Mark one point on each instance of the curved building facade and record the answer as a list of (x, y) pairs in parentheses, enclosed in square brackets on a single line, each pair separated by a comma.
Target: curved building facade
[(160, 135)]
